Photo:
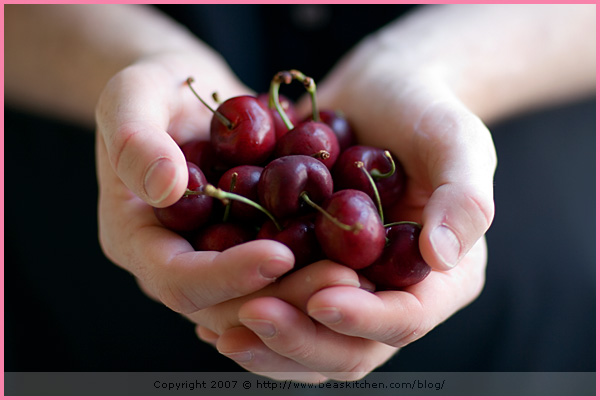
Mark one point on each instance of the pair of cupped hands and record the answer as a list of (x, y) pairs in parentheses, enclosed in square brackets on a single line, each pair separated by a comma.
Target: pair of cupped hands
[(323, 321)]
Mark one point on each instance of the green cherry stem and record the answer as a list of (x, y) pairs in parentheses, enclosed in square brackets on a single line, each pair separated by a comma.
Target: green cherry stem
[(224, 120), (356, 228), (376, 174), (287, 77), (278, 79), (311, 88), (212, 191), (361, 165), (228, 205)]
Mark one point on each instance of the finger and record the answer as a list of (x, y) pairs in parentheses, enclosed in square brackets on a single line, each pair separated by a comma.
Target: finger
[(295, 288), (291, 333), (133, 116), (206, 335), (188, 281), (461, 167), (244, 347), (401, 317)]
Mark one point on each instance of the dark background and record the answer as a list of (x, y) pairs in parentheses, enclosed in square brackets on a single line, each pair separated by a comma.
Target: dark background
[(67, 308)]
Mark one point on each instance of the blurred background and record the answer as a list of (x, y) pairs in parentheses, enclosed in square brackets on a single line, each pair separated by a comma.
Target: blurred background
[(67, 308)]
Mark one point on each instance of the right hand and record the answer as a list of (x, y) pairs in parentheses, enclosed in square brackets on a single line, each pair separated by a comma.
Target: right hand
[(144, 112)]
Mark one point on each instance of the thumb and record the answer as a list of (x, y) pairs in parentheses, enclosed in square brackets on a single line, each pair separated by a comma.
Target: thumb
[(132, 118), (461, 207)]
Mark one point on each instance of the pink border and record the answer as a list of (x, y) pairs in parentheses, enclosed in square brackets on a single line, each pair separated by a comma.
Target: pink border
[(263, 2)]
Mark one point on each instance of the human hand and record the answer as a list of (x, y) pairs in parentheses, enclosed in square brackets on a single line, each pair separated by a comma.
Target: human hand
[(145, 111)]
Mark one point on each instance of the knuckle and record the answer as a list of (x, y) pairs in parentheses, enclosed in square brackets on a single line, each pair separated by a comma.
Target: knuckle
[(481, 207)]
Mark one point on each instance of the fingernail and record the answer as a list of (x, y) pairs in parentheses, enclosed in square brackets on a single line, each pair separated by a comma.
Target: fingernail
[(446, 245), (327, 315), (160, 180), (261, 327), (273, 268), (241, 356)]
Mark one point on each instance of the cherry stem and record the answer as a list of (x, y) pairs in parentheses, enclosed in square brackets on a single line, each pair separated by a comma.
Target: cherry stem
[(227, 211), (311, 88), (321, 155), (212, 191), (287, 77), (356, 228), (361, 165), (280, 77), (224, 120), (376, 174)]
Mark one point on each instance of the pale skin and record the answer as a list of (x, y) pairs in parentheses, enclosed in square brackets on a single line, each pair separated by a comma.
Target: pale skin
[(424, 88)]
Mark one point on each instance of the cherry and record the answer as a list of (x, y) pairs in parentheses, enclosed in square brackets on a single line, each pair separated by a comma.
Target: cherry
[(242, 180), (284, 181), (299, 235), (401, 264), (309, 137), (381, 165), (193, 209), (289, 109), (201, 153), (312, 139), (241, 130), (222, 236), (340, 126), (350, 229)]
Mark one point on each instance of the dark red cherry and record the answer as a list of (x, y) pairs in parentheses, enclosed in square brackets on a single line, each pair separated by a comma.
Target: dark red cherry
[(362, 242), (347, 175), (401, 263), (243, 180), (340, 126), (285, 179), (191, 211), (289, 109), (201, 153), (222, 236), (249, 137), (299, 235), (309, 138)]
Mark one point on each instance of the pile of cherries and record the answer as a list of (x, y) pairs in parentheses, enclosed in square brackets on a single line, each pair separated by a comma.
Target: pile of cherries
[(266, 173)]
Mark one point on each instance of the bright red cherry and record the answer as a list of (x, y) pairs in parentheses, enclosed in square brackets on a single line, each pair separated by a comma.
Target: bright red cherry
[(360, 242), (311, 139)]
